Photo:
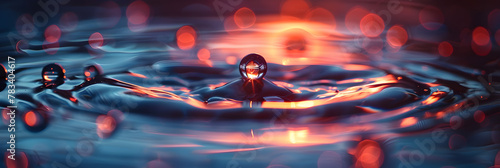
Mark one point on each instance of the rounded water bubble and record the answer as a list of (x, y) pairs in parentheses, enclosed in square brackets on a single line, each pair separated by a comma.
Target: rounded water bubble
[(53, 75), (253, 67)]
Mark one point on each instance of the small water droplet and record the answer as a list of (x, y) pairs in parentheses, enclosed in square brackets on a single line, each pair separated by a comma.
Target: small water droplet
[(53, 75), (92, 71)]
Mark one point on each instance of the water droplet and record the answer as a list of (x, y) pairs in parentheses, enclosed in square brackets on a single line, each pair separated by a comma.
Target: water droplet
[(92, 71), (53, 75), (253, 67)]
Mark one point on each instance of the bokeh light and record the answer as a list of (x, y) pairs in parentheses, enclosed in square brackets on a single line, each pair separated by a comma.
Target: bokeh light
[(30, 118), (186, 37), (138, 12), (106, 125), (96, 40), (479, 116), (368, 155), (397, 36), (244, 17), (21, 160), (481, 36), (52, 33), (445, 49), (372, 25), (409, 121), (203, 54)]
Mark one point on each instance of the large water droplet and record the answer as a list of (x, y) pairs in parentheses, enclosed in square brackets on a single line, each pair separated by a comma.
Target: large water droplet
[(253, 67)]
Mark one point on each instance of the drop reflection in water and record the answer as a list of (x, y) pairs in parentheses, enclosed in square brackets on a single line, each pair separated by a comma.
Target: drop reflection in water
[(53, 75), (92, 72)]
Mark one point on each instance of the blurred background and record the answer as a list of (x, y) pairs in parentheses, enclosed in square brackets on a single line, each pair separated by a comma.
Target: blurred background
[(152, 83)]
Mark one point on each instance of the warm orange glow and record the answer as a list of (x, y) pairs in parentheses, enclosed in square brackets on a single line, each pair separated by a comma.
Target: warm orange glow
[(283, 84), (298, 136), (294, 8), (290, 42), (372, 25), (231, 60), (203, 54), (445, 49), (434, 97), (136, 75), (162, 92), (244, 17), (355, 67), (354, 80), (105, 123), (440, 115), (408, 122), (481, 36), (30, 118), (186, 37), (87, 73), (397, 36), (351, 93), (252, 70), (368, 155), (213, 86)]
